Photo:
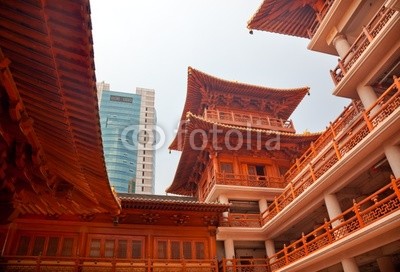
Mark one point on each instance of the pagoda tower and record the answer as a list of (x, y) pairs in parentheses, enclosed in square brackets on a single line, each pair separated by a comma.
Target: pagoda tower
[(237, 143), (234, 137)]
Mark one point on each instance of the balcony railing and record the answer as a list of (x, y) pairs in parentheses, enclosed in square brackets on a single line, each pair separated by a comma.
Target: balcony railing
[(241, 220), (244, 265), (342, 136), (371, 209), (249, 180), (74, 264), (240, 180), (368, 34), (381, 203), (319, 17), (249, 120)]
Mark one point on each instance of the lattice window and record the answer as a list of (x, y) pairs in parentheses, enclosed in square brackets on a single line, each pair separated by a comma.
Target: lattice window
[(23, 245), (226, 167), (67, 245), (109, 248), (95, 248), (200, 250), (187, 250), (52, 246), (175, 250), (38, 245), (162, 249), (122, 247), (136, 249)]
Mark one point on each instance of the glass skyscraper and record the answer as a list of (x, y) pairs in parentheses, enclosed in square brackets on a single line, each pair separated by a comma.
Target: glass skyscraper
[(127, 121)]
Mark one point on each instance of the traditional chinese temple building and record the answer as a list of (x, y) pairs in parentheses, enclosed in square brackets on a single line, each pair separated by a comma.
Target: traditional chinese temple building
[(58, 211), (252, 194), (340, 210)]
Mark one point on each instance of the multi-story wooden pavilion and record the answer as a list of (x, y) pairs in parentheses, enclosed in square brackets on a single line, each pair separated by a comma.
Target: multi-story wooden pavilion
[(349, 187)]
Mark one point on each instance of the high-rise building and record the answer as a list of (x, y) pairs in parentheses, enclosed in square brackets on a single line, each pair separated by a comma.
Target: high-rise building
[(101, 86), (127, 123)]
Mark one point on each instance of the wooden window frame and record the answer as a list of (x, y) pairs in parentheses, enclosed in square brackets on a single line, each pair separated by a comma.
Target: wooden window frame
[(33, 235), (116, 239), (170, 240)]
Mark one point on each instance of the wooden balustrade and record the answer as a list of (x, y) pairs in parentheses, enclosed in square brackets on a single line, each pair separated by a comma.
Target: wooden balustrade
[(245, 265), (74, 264), (379, 204), (249, 180), (335, 128), (361, 43), (320, 15), (372, 208), (345, 133), (249, 120), (239, 180), (241, 220)]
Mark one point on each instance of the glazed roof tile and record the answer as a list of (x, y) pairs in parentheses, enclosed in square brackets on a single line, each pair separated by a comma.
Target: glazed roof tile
[(136, 201)]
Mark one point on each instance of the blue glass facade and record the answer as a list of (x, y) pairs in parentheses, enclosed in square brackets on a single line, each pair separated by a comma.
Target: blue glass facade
[(119, 111)]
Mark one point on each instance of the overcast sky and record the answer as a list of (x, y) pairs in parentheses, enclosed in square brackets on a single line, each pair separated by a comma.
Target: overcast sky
[(151, 43)]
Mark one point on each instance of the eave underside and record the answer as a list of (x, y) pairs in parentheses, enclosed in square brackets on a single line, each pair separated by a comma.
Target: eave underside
[(251, 141), (48, 70), (289, 17)]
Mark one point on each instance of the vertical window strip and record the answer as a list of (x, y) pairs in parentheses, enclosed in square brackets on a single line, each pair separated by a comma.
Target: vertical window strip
[(67, 246), (137, 249), (95, 248), (52, 246), (23, 245)]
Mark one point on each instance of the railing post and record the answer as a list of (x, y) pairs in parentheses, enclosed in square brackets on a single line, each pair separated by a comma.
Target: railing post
[(148, 265), (367, 34), (286, 254), (341, 66), (367, 121), (328, 230), (312, 173), (356, 209), (234, 264), (292, 190), (335, 146), (332, 129), (304, 240), (314, 152), (393, 180), (276, 204), (354, 105), (113, 265), (396, 81), (298, 164), (38, 263), (333, 76)]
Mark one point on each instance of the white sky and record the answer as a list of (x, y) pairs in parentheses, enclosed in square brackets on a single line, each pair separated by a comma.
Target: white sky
[(150, 44)]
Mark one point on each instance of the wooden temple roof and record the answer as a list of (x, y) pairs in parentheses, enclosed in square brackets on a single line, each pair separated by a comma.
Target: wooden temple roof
[(169, 210), (201, 86), (157, 202), (182, 183), (49, 130), (290, 17)]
